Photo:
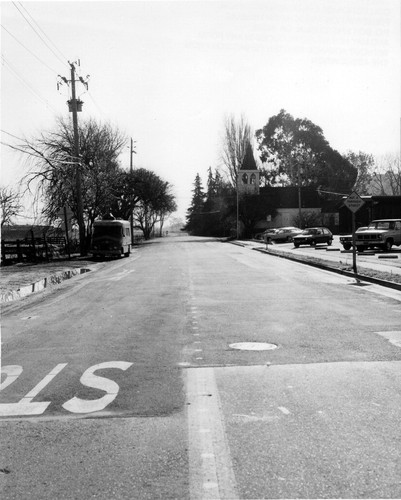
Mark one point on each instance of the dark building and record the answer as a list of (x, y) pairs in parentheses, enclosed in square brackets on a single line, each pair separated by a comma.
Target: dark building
[(375, 207)]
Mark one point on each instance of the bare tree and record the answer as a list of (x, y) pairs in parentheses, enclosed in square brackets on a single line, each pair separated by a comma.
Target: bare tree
[(386, 177), (237, 136), (364, 163), (9, 204), (53, 168)]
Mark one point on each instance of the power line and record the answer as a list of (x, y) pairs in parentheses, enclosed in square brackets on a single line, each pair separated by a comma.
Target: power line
[(12, 135), (30, 51), (64, 59), (36, 94)]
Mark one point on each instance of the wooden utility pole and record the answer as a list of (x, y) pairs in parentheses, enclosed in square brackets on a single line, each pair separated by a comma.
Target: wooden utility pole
[(131, 217), (131, 169), (75, 105), (78, 180)]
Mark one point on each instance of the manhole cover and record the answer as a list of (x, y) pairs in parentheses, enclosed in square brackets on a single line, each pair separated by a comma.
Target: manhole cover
[(253, 346)]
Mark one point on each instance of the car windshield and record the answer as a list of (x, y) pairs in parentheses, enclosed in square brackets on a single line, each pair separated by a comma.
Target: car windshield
[(309, 231), (381, 225)]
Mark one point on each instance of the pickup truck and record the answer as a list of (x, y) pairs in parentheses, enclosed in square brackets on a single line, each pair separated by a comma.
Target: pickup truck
[(381, 233), (346, 239)]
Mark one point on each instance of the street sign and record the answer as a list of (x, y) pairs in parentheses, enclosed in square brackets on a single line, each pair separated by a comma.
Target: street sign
[(354, 202)]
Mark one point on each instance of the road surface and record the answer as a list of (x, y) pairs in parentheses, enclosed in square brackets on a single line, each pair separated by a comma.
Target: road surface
[(142, 381)]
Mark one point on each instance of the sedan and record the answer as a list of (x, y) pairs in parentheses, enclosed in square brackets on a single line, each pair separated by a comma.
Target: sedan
[(312, 236), (282, 234)]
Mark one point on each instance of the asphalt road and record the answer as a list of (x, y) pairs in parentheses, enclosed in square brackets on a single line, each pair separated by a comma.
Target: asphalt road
[(127, 383)]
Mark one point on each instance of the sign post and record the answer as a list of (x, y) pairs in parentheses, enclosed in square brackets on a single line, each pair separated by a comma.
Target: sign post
[(354, 202)]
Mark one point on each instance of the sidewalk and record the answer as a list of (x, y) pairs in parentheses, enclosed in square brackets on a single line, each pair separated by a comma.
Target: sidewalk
[(384, 271)]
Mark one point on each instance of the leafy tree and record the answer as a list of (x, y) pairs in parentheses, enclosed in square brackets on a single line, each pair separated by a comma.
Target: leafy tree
[(237, 136), (154, 200), (10, 205), (300, 155), (252, 209)]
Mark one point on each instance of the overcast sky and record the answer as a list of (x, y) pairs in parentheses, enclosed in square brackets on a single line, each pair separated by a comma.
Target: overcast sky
[(167, 73)]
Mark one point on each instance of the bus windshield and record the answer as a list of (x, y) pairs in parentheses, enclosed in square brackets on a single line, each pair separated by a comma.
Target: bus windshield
[(113, 231)]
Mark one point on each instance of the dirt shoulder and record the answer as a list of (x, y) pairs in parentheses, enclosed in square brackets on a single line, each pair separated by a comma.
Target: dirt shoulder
[(17, 276)]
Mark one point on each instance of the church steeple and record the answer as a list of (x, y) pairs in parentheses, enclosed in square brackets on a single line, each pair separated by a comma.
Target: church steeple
[(248, 178)]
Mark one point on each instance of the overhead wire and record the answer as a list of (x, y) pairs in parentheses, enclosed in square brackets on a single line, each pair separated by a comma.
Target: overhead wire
[(62, 59), (22, 79), (30, 51), (12, 135), (77, 69)]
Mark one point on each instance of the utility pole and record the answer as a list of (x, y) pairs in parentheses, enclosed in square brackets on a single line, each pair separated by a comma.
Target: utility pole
[(75, 106), (299, 194), (131, 168), (237, 186)]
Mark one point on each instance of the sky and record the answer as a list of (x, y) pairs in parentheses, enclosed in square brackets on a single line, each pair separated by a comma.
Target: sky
[(168, 73)]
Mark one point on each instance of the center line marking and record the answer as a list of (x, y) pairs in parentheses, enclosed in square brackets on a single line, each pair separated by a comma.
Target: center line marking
[(284, 410), (211, 474)]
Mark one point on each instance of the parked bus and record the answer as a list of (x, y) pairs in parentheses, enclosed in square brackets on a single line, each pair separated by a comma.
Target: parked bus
[(111, 237)]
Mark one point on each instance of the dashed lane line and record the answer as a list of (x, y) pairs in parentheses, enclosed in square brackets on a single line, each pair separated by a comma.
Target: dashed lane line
[(210, 466)]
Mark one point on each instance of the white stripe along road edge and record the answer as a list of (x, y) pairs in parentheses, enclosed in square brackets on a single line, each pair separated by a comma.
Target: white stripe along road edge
[(211, 472)]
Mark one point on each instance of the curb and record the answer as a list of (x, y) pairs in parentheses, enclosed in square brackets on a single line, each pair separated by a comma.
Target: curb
[(376, 281), (53, 279)]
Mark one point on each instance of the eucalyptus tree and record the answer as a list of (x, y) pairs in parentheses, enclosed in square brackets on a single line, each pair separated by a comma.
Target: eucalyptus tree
[(299, 155)]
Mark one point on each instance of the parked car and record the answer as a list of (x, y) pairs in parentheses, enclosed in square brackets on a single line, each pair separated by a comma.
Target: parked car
[(381, 233), (262, 236), (346, 240), (312, 236), (282, 234)]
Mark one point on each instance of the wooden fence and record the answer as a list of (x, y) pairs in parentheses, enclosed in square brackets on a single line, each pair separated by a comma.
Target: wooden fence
[(32, 249)]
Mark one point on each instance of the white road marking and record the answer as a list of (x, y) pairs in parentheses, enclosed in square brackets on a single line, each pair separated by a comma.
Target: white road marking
[(393, 337), (89, 379), (12, 372), (25, 406), (210, 467), (43, 383), (284, 410)]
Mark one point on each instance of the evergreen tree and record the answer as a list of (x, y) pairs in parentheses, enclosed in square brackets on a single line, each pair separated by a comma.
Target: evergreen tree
[(195, 224)]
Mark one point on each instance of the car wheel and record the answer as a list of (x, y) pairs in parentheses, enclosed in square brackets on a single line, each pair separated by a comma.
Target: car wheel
[(313, 243), (347, 246), (360, 249), (329, 242), (387, 246), (296, 245)]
